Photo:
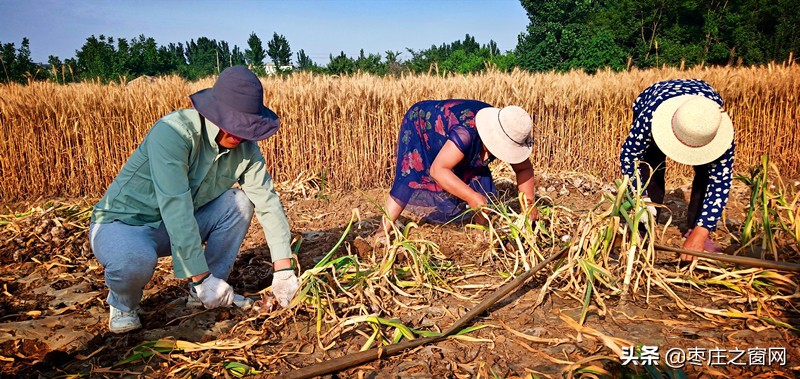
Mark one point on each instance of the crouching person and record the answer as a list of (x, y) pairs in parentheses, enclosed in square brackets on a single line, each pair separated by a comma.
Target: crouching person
[(174, 194)]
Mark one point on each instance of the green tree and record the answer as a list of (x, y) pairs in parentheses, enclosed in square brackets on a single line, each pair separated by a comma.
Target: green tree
[(23, 64), (393, 64), (469, 46), (55, 68), (237, 57), (8, 57), (95, 59), (455, 57), (589, 34), (17, 65), (787, 30), (279, 51), (492, 47), (70, 65), (254, 55), (304, 62), (204, 57), (340, 65), (144, 57), (504, 62), (597, 51), (554, 34), (176, 55), (461, 62), (224, 56), (759, 31), (201, 58), (122, 58), (369, 63)]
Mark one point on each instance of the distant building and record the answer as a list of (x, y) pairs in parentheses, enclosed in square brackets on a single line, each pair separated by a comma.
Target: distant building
[(271, 69)]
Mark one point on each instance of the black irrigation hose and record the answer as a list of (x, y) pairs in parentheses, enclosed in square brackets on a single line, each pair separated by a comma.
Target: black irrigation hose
[(347, 361), (755, 262)]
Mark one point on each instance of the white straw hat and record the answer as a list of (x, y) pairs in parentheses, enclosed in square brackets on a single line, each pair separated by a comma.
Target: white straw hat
[(692, 129), (506, 132)]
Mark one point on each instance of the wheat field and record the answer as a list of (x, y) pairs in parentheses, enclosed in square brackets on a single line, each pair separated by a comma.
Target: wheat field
[(71, 140)]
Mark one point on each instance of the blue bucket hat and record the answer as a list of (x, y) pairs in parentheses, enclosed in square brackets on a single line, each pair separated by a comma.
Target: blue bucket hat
[(236, 105)]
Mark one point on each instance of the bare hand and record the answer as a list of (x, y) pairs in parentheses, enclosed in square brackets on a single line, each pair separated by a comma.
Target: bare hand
[(533, 214), (478, 203), (694, 242), (480, 236)]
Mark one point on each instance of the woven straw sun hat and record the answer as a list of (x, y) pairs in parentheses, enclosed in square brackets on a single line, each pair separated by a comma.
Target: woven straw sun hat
[(692, 129), (506, 132)]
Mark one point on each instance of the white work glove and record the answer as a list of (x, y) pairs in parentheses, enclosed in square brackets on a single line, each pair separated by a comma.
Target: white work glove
[(284, 285), (214, 292), (650, 208)]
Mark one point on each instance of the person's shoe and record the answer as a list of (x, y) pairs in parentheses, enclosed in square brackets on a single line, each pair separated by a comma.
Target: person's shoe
[(238, 300), (120, 321)]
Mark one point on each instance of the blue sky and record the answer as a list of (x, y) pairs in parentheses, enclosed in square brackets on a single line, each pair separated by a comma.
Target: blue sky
[(319, 27)]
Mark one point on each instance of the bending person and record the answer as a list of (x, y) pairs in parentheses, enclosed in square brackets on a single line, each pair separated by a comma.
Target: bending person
[(684, 120), (443, 153)]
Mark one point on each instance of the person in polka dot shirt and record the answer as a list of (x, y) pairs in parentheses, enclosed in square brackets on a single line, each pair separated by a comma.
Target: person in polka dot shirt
[(683, 119)]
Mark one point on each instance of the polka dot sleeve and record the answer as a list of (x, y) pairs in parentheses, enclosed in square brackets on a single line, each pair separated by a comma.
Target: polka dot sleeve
[(719, 185), (640, 136)]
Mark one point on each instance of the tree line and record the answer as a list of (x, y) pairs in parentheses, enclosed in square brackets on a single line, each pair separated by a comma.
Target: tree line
[(562, 35), (110, 59), (594, 34)]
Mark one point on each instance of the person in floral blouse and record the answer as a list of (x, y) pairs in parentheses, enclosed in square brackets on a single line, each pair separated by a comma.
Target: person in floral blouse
[(443, 153)]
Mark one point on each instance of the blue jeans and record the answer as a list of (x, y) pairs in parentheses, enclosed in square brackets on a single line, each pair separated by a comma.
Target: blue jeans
[(130, 253)]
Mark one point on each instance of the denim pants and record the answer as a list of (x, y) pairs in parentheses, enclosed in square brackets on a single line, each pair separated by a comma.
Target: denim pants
[(130, 253)]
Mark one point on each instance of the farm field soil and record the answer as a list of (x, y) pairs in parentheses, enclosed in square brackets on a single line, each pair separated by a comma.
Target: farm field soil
[(53, 317)]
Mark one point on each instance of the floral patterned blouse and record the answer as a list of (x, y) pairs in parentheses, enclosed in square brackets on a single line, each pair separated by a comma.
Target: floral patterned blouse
[(426, 127)]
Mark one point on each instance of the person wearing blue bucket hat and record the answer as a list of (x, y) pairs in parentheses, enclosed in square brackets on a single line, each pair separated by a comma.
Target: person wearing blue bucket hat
[(175, 194)]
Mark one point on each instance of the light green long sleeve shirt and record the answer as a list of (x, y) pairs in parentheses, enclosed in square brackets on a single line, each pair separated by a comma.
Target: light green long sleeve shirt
[(178, 168)]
